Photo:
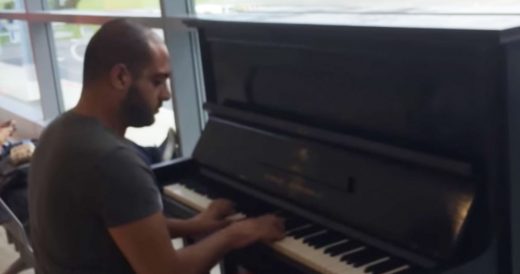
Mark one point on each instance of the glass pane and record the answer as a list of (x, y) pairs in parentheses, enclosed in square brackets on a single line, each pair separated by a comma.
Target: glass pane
[(18, 83), (149, 7), (11, 4), (359, 6), (71, 41)]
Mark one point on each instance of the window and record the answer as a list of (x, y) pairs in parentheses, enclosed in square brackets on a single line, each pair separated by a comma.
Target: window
[(19, 90), (70, 42), (58, 59), (358, 6), (148, 7), (11, 5)]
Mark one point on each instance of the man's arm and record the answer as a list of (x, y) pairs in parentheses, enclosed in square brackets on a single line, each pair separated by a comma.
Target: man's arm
[(193, 227), (146, 244), (206, 222)]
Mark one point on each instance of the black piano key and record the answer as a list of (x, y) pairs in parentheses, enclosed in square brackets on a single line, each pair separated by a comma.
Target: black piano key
[(385, 266), (294, 222), (304, 238), (321, 240), (364, 257), (285, 214), (313, 238), (410, 270), (253, 208), (214, 195), (299, 233), (342, 247), (349, 258)]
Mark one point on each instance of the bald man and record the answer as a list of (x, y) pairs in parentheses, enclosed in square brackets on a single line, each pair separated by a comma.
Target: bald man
[(94, 207)]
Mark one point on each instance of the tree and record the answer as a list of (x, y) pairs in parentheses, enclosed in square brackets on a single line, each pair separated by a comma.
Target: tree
[(60, 4)]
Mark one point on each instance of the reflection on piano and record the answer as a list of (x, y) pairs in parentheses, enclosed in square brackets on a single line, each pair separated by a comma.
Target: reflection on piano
[(385, 149)]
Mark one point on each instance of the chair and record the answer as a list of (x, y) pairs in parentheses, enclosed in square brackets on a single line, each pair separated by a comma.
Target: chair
[(16, 234)]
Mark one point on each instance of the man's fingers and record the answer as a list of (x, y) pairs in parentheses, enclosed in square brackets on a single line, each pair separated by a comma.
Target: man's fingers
[(222, 207)]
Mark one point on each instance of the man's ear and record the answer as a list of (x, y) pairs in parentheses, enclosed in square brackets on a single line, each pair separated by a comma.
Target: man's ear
[(120, 77)]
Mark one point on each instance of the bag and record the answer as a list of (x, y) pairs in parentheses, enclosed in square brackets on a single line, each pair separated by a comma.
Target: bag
[(12, 176)]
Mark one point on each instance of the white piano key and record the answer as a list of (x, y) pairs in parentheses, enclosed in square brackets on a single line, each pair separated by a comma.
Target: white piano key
[(187, 196), (316, 258), (335, 264), (195, 200)]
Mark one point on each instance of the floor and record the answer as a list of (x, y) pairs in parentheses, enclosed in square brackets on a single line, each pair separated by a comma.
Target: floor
[(8, 254)]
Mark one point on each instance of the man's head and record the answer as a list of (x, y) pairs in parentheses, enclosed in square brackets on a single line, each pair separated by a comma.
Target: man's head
[(132, 63)]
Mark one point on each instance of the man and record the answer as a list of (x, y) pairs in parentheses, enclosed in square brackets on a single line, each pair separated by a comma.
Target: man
[(13, 173), (7, 129), (92, 201)]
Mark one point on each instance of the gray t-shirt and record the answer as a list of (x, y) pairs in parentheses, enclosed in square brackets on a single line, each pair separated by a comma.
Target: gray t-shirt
[(83, 180)]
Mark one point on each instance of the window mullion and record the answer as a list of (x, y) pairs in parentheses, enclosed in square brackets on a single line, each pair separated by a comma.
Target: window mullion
[(187, 84), (43, 52)]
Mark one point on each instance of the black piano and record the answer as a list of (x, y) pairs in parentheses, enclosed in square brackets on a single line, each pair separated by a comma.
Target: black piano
[(386, 149)]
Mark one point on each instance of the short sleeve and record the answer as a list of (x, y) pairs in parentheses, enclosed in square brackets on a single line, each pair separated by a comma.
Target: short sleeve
[(126, 189)]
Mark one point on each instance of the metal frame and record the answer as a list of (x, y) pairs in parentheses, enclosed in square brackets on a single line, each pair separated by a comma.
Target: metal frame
[(182, 43), (187, 86), (41, 37)]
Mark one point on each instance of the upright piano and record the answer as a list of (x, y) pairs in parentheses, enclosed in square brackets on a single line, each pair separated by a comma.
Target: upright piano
[(387, 149)]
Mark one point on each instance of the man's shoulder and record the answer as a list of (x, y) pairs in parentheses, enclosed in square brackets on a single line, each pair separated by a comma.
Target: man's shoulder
[(83, 136)]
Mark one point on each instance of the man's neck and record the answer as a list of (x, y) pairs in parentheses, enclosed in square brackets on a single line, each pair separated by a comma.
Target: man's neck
[(101, 110)]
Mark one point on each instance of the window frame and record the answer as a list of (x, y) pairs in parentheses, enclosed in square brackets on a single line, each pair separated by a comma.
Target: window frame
[(187, 88)]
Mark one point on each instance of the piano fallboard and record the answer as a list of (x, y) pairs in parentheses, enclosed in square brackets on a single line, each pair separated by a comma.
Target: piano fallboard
[(421, 208)]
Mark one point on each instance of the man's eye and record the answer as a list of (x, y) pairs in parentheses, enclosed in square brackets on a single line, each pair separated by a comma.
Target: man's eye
[(157, 82)]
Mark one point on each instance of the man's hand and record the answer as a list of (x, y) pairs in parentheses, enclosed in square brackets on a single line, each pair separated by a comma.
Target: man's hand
[(6, 130), (214, 217), (267, 228), (8, 123)]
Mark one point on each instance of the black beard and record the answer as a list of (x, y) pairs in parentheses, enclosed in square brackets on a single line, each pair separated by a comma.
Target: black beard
[(135, 110)]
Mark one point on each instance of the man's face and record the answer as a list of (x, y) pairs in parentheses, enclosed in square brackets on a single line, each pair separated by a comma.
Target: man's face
[(149, 89)]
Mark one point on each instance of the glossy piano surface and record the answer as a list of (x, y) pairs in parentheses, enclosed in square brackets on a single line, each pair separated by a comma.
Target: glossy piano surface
[(395, 137)]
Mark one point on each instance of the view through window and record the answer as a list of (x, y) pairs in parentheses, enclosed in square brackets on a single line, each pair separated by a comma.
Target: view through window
[(11, 4), (359, 6), (18, 84), (147, 7)]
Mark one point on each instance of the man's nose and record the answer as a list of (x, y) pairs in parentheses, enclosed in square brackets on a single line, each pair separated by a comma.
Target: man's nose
[(166, 94)]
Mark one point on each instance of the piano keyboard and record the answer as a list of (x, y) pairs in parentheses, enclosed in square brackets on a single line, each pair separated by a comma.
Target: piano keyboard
[(311, 245)]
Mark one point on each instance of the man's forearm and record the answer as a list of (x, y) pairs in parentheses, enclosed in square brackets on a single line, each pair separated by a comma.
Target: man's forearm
[(183, 228), (200, 257), (197, 226)]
